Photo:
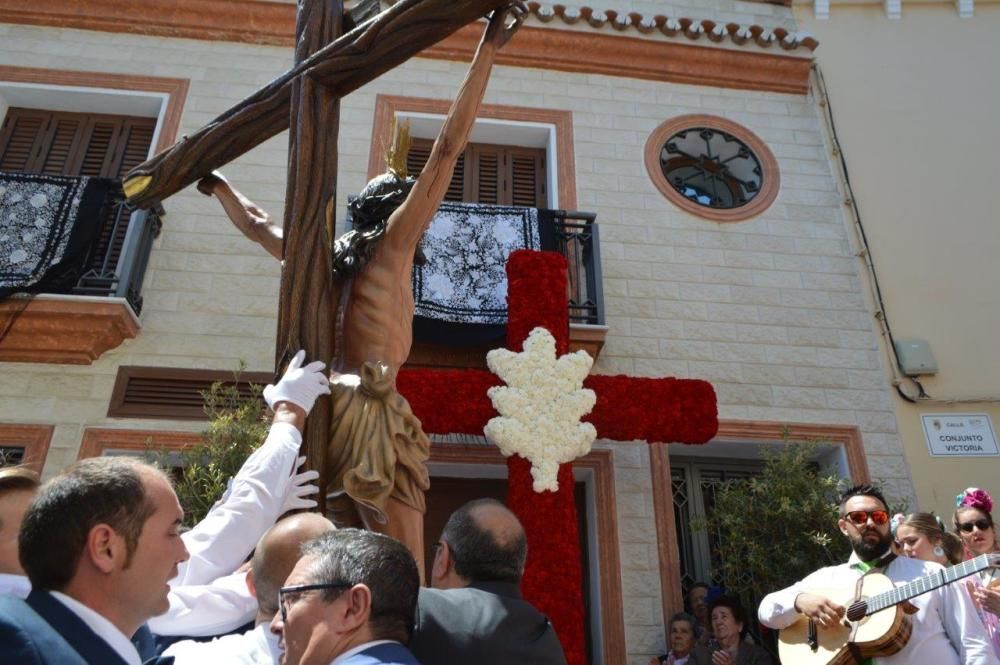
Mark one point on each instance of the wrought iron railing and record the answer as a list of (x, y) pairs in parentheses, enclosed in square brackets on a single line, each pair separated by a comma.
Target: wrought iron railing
[(576, 237), (119, 256)]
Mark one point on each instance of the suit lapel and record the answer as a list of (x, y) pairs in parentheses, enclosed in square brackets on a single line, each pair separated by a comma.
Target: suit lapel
[(86, 642)]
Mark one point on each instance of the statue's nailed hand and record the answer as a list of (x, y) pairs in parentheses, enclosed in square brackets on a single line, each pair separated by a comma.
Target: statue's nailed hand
[(207, 184), (300, 385), (299, 489), (504, 22)]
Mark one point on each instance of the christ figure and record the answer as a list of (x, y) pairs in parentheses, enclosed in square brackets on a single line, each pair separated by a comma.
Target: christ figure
[(376, 460)]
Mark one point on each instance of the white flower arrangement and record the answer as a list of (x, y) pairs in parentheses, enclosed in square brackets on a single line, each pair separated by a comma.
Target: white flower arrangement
[(541, 406)]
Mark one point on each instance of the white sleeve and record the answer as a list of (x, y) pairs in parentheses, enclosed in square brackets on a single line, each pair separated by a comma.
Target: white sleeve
[(963, 626), (208, 609), (221, 542), (777, 610)]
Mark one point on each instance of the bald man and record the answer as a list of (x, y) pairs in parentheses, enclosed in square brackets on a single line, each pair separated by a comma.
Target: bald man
[(273, 560), (475, 612)]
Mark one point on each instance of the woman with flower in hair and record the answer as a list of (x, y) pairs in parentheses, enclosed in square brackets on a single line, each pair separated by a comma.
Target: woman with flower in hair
[(974, 524)]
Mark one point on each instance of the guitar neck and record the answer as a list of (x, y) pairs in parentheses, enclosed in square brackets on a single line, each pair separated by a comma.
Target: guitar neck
[(929, 583)]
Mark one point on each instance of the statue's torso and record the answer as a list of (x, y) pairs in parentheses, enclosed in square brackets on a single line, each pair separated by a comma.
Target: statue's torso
[(378, 314)]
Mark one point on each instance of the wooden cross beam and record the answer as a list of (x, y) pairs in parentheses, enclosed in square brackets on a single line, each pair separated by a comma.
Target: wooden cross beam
[(306, 100), (371, 49)]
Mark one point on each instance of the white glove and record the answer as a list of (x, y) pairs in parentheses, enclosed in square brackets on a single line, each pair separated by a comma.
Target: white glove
[(300, 487), (300, 385)]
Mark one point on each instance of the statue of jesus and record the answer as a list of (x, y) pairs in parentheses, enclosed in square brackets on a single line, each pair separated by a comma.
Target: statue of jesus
[(376, 461)]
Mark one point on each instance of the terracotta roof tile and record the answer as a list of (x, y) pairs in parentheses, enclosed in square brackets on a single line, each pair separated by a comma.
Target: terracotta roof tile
[(675, 27)]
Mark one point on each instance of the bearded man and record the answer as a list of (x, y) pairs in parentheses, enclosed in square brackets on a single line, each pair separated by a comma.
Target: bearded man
[(946, 630)]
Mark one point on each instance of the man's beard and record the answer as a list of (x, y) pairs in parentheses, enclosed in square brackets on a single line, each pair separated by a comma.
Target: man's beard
[(868, 550)]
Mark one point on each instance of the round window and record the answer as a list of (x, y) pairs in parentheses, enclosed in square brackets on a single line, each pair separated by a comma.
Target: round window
[(712, 167)]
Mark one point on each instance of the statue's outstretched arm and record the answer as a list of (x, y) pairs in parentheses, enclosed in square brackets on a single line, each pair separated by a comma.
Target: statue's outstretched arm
[(254, 222), (408, 223)]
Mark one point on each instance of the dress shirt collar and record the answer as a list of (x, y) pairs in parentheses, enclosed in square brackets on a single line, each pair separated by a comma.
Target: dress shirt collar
[(104, 628), (882, 559), (15, 585), (358, 649)]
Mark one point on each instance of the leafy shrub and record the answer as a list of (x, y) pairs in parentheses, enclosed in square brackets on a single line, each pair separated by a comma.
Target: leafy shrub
[(238, 425)]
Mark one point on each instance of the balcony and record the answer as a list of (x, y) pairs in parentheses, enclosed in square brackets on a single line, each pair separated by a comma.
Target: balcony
[(76, 320), (458, 330)]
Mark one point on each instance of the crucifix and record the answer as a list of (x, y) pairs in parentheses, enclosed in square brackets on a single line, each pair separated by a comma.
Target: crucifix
[(347, 302)]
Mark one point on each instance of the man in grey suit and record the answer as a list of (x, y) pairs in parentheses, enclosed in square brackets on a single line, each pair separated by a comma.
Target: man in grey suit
[(475, 612)]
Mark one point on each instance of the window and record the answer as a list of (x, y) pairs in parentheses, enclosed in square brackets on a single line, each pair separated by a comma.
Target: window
[(496, 174), (74, 144), (712, 167), (25, 444)]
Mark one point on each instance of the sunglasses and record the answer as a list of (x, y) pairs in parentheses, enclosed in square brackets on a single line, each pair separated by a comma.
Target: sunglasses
[(287, 595), (859, 517), (983, 525)]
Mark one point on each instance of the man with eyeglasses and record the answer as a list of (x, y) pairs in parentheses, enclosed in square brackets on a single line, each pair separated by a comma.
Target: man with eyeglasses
[(475, 612), (275, 556), (350, 600), (946, 630)]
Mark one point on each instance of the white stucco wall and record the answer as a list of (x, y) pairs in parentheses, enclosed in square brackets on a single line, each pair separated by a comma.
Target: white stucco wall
[(918, 130)]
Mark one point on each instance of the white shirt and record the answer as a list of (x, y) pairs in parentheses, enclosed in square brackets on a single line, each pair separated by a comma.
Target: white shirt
[(14, 585), (206, 596), (946, 630), (356, 650), (220, 543), (255, 647), (205, 610), (104, 628)]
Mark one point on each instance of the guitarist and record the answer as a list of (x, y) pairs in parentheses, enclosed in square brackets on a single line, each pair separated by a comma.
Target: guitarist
[(946, 630)]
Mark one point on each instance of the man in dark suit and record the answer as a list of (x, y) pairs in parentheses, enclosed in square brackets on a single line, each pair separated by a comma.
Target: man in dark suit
[(98, 544), (351, 597), (475, 613)]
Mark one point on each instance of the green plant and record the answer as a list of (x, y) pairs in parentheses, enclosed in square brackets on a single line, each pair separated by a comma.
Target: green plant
[(238, 425), (776, 528)]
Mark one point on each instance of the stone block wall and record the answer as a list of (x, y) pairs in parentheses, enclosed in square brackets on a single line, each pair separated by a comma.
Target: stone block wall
[(770, 310)]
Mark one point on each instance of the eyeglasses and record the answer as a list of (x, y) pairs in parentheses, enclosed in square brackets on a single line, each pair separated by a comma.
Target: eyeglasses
[(287, 595), (859, 517), (983, 525)]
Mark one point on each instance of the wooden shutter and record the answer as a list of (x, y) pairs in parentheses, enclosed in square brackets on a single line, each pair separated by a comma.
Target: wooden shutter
[(20, 138), (34, 141), (496, 174), (526, 177)]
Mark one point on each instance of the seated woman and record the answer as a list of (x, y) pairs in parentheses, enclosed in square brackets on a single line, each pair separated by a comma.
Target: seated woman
[(729, 621), (923, 536), (682, 633)]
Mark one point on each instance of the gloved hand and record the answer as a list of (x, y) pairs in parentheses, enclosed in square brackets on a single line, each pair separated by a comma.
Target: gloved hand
[(300, 385), (300, 487)]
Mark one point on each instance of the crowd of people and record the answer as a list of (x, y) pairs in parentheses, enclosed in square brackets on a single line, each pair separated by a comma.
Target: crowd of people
[(95, 568), (957, 623)]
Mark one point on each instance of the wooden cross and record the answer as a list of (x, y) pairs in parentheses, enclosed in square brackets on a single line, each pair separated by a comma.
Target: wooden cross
[(305, 99)]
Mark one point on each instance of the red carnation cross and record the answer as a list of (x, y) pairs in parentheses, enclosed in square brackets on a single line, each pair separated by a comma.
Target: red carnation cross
[(662, 410)]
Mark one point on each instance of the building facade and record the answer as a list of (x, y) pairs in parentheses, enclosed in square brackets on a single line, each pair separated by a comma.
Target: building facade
[(753, 286)]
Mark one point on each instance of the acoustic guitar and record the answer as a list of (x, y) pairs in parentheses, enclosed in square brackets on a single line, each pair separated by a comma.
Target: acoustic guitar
[(876, 622)]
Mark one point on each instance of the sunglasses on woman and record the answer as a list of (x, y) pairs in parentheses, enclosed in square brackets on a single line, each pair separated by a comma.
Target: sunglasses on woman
[(859, 517), (967, 527)]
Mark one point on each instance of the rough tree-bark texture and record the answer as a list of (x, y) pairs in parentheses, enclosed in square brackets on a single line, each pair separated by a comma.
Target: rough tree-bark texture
[(354, 59), (305, 310)]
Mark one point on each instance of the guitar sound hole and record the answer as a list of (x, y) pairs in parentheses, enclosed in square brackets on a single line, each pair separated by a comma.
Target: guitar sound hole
[(857, 610)]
